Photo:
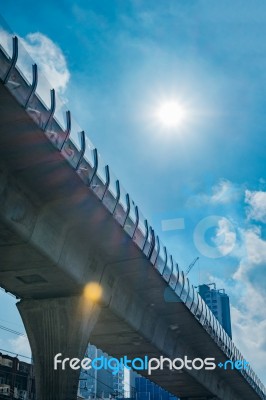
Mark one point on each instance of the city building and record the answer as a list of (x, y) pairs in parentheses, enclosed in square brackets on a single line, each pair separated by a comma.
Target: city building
[(17, 382), (126, 384), (16, 379), (102, 383), (147, 390), (218, 301)]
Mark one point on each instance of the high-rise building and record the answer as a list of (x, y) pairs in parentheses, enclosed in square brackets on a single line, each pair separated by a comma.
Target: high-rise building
[(125, 384), (100, 383), (218, 302), (88, 378)]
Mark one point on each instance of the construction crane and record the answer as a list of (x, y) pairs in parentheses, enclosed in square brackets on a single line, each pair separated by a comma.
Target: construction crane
[(189, 268)]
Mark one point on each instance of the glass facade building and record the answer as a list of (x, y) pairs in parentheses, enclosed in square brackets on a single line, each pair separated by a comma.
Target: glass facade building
[(218, 302), (147, 390), (102, 383)]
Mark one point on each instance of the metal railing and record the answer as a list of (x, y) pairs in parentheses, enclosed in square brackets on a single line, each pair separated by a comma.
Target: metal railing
[(21, 76)]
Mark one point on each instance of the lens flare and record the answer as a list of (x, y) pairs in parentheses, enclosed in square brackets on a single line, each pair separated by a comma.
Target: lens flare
[(93, 291)]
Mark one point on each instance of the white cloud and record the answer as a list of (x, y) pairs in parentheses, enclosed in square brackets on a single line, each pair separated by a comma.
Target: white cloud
[(249, 326), (257, 203), (224, 192), (247, 291), (225, 238), (222, 243), (6, 41), (247, 286), (50, 58), (255, 247), (20, 345), (248, 318), (249, 330), (52, 65)]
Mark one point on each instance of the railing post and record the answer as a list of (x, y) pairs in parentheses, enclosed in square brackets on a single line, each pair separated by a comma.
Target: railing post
[(33, 85), (13, 59)]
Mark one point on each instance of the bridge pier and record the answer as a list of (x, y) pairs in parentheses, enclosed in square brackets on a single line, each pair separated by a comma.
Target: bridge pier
[(57, 325)]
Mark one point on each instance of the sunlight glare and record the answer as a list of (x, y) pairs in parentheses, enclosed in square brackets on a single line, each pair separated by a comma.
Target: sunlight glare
[(171, 114)]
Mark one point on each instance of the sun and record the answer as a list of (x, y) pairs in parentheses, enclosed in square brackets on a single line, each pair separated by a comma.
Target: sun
[(171, 114)]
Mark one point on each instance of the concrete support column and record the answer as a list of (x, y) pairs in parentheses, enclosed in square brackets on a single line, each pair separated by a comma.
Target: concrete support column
[(57, 325)]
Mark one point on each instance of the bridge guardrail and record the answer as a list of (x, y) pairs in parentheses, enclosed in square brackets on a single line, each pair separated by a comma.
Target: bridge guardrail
[(29, 86)]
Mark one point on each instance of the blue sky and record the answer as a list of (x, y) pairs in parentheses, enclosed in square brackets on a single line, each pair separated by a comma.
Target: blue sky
[(115, 62)]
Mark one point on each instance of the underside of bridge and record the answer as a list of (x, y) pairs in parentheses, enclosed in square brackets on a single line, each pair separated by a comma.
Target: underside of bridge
[(55, 237)]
